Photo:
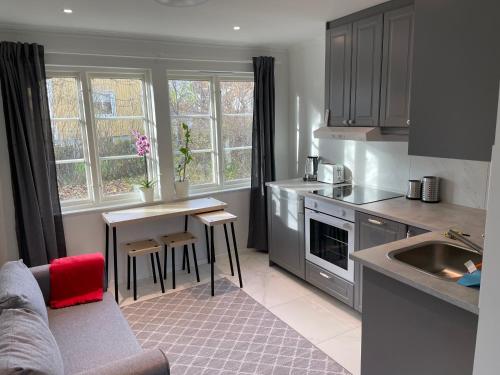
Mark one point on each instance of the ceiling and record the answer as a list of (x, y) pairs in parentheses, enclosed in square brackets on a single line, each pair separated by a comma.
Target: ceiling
[(274, 23)]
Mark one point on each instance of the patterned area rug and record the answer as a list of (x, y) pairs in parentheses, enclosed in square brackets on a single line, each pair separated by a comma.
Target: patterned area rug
[(227, 334)]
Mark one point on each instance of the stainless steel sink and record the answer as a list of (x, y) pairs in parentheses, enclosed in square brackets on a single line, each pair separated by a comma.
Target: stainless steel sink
[(440, 259)]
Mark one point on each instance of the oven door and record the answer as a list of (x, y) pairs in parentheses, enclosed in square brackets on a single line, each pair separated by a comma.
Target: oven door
[(329, 242)]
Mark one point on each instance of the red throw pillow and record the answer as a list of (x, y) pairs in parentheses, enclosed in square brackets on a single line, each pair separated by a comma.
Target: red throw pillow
[(76, 279)]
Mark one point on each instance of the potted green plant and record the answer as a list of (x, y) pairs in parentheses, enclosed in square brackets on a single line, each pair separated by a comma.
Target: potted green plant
[(145, 186), (182, 183)]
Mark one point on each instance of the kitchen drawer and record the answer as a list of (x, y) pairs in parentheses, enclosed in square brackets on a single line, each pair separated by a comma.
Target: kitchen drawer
[(329, 283)]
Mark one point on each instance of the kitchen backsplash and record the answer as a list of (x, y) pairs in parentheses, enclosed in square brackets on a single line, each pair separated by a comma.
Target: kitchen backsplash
[(387, 165)]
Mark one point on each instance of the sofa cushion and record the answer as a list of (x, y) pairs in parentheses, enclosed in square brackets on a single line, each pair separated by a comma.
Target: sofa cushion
[(27, 345), (20, 290), (92, 335)]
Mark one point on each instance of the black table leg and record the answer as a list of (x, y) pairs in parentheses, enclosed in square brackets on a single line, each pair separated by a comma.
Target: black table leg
[(207, 243), (115, 264), (186, 251), (236, 255), (165, 262), (128, 272), (135, 277), (195, 262), (173, 267), (212, 259), (106, 260), (153, 267), (228, 250), (157, 254)]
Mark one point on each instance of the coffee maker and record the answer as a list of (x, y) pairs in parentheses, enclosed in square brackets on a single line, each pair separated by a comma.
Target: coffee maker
[(311, 168)]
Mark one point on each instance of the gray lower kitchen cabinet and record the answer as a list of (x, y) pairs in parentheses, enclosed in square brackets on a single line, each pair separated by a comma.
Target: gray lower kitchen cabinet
[(373, 231), (286, 230), (397, 68), (407, 331), (330, 283), (456, 71)]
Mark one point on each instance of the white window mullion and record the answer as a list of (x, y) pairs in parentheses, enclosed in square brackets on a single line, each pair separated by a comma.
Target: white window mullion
[(92, 144), (218, 131)]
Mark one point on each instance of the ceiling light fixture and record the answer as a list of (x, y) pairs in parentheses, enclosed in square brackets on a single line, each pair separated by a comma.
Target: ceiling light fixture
[(236, 28), (68, 11), (181, 3)]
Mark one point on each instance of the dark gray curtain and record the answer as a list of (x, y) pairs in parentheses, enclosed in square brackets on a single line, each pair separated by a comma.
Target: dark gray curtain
[(263, 169), (40, 233)]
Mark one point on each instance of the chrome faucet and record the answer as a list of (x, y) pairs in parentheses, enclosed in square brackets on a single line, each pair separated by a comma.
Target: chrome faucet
[(455, 235)]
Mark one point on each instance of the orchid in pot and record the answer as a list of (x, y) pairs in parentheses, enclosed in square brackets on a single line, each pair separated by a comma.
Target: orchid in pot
[(143, 148), (181, 183)]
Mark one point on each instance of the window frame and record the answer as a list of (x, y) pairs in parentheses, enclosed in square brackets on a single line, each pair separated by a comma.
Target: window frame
[(97, 198), (216, 124)]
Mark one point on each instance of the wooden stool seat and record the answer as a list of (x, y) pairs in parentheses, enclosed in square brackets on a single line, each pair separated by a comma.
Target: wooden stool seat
[(143, 247), (211, 220), (182, 239), (216, 218), (178, 239)]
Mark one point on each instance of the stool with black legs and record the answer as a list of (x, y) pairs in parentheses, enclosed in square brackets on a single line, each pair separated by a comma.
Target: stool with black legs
[(211, 220), (179, 240), (137, 248)]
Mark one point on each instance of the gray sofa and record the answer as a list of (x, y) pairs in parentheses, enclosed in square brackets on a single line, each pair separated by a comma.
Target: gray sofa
[(95, 338)]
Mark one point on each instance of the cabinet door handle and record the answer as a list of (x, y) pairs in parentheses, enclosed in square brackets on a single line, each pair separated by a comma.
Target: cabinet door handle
[(344, 122), (325, 275), (350, 122), (408, 122), (376, 222)]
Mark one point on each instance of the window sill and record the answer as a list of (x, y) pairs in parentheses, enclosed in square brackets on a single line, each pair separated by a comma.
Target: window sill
[(110, 206), (201, 194)]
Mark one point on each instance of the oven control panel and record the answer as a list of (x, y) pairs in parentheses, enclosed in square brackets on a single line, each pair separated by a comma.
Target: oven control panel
[(330, 208)]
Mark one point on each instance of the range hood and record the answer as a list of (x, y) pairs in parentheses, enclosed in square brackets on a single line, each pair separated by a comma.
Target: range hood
[(362, 133)]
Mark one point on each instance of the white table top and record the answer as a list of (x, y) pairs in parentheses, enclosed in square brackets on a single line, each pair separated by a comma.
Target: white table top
[(162, 211)]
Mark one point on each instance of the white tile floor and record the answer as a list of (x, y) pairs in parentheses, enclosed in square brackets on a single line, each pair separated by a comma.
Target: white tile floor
[(329, 324)]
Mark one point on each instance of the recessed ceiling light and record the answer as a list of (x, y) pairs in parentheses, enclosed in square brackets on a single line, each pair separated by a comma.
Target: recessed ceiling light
[(181, 3), (236, 28), (68, 11)]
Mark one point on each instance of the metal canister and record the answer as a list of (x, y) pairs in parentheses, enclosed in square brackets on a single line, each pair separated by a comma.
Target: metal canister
[(430, 189), (414, 189)]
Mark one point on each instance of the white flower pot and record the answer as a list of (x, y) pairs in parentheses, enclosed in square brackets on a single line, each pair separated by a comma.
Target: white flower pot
[(147, 194), (181, 189)]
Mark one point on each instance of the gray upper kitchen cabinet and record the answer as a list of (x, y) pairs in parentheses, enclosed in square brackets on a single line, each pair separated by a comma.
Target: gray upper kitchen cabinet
[(456, 75), (366, 65), (286, 230), (338, 74), (373, 231), (397, 67)]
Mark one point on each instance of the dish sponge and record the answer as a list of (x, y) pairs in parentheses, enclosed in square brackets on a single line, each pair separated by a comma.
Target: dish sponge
[(472, 280)]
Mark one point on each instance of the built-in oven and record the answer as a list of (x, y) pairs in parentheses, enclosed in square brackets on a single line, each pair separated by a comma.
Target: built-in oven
[(329, 236)]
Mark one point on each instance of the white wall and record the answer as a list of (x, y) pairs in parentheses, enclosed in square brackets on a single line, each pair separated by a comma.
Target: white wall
[(486, 360), (386, 165), (85, 232)]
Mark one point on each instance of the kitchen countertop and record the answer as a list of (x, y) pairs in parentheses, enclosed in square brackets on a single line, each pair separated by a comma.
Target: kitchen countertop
[(297, 185), (435, 217), (377, 258)]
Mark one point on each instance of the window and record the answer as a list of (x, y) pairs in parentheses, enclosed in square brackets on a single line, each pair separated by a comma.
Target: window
[(68, 135), (219, 111), (92, 135)]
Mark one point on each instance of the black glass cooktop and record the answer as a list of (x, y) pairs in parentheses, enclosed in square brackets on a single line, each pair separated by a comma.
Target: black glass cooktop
[(356, 194)]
